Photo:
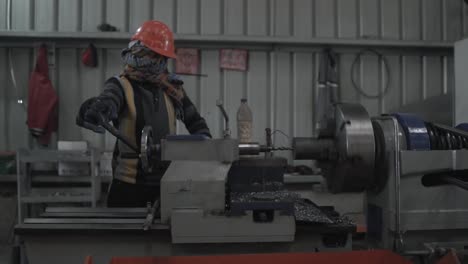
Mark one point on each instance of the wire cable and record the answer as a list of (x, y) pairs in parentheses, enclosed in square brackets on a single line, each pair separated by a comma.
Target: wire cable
[(19, 99), (281, 132), (387, 71), (282, 148)]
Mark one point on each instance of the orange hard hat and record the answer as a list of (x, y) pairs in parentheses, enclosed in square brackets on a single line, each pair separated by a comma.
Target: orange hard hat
[(157, 36)]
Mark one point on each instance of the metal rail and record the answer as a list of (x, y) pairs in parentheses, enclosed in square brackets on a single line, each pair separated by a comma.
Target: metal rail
[(264, 43), (457, 182)]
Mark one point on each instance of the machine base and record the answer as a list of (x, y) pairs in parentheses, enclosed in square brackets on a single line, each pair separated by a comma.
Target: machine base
[(62, 245)]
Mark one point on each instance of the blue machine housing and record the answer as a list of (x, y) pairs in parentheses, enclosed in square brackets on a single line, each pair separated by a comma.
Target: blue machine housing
[(417, 136)]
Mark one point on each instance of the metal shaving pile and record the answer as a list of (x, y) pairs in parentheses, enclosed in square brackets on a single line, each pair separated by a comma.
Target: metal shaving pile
[(276, 196), (307, 212), (264, 187), (343, 220), (304, 210)]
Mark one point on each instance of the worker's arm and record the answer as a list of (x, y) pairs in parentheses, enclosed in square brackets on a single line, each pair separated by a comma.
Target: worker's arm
[(113, 95), (194, 123), (104, 108)]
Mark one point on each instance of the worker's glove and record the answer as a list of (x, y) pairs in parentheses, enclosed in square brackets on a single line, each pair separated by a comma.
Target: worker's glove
[(96, 111), (174, 79)]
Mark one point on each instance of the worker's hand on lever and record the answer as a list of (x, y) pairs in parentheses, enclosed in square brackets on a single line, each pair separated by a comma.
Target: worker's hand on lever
[(95, 112)]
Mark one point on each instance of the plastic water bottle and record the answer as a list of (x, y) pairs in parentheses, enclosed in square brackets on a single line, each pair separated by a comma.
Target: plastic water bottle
[(244, 122)]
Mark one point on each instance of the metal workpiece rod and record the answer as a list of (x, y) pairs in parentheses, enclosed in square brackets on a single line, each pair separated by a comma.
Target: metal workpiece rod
[(250, 149), (305, 148), (256, 149), (111, 129)]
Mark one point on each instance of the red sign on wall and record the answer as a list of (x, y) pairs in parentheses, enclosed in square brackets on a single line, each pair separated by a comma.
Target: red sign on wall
[(233, 59), (187, 61)]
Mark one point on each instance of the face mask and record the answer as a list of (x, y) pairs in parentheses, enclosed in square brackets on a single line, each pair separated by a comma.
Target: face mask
[(143, 59)]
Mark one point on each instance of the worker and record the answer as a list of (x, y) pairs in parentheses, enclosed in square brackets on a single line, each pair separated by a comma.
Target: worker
[(145, 93)]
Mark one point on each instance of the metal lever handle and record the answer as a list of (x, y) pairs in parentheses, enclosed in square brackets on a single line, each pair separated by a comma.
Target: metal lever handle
[(227, 133), (111, 129)]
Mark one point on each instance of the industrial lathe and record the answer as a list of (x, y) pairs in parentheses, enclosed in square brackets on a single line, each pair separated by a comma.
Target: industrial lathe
[(414, 175), (228, 197), (225, 197)]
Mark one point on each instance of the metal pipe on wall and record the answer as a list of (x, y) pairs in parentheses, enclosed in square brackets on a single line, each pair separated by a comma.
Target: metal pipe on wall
[(8, 15)]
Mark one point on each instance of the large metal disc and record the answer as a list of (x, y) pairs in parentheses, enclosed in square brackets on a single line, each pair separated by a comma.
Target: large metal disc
[(353, 170), (146, 143)]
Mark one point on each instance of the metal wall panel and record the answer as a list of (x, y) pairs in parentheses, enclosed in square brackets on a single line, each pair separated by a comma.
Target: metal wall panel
[(369, 78), (347, 19), (393, 96), (19, 135), (4, 99), (412, 80), (416, 19), (303, 18), (258, 13), (138, 13), (279, 85), (325, 18), (387, 19), (22, 14), (346, 91), (283, 18), (3, 17), (303, 98), (432, 19), (164, 10), (433, 79), (283, 103), (391, 19), (234, 17), (13, 127), (210, 91), (69, 15), (46, 15), (258, 93), (68, 89), (449, 73), (92, 14), (210, 16), (117, 14), (411, 16), (188, 15), (453, 12), (370, 18)]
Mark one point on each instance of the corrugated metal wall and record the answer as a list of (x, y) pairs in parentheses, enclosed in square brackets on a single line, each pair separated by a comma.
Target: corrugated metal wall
[(385, 19), (280, 84)]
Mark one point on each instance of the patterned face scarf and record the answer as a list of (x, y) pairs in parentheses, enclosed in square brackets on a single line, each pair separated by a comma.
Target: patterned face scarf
[(144, 65)]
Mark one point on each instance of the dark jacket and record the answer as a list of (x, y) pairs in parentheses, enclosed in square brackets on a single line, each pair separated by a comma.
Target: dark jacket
[(141, 104)]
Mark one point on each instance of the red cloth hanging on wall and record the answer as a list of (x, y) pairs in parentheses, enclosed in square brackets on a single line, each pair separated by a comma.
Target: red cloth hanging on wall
[(42, 101)]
